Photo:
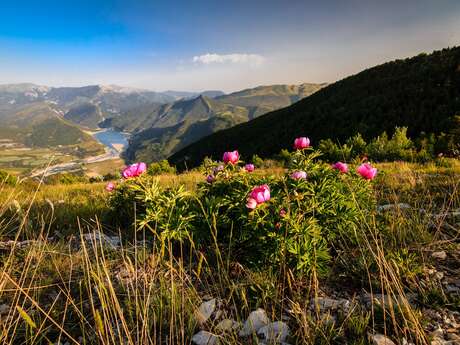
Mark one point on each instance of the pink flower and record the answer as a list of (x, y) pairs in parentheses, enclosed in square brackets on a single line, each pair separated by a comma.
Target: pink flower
[(218, 168), (282, 213), (249, 167), (231, 157), (342, 167), (367, 171), (301, 143), (251, 203), (258, 196), (297, 175), (134, 170), (210, 178), (110, 186)]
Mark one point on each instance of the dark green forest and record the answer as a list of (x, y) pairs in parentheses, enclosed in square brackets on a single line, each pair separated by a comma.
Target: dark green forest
[(421, 93)]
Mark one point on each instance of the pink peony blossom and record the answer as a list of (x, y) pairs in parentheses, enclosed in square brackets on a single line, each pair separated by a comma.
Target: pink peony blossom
[(297, 175), (218, 168), (251, 203), (134, 170), (210, 178), (258, 196), (301, 143), (249, 167), (367, 171), (110, 186), (342, 167), (231, 157)]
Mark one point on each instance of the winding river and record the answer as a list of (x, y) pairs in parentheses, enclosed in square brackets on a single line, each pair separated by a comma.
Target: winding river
[(114, 142)]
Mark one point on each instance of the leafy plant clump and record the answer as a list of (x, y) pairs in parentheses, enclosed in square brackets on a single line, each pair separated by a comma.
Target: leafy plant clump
[(161, 167), (300, 219)]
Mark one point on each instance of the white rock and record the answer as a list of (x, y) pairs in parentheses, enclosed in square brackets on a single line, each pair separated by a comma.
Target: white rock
[(439, 275), (275, 332), (256, 320), (204, 312), (388, 207), (205, 338), (227, 325), (441, 255), (439, 341), (111, 241), (325, 303), (380, 339), (4, 309), (438, 333)]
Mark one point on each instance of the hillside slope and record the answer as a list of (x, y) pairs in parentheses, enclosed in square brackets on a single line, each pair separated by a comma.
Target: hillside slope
[(263, 99), (87, 106), (39, 125), (167, 128), (176, 125), (422, 93)]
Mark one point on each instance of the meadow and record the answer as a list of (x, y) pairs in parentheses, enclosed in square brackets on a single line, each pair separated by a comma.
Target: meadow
[(169, 258)]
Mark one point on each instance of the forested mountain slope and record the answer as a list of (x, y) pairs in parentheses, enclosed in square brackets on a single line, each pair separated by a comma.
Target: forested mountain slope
[(421, 93)]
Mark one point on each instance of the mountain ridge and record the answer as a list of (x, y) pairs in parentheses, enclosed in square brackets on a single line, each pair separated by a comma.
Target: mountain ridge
[(193, 118), (422, 93)]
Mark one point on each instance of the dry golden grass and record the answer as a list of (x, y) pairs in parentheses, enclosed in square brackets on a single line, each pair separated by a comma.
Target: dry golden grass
[(59, 290)]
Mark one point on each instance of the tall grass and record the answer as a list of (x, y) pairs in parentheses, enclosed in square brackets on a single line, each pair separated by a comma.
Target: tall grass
[(85, 291)]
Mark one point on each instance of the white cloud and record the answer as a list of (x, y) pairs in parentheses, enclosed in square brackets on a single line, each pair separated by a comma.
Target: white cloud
[(210, 58)]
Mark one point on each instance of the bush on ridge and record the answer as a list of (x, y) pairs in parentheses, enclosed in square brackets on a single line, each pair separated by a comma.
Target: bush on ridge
[(297, 219)]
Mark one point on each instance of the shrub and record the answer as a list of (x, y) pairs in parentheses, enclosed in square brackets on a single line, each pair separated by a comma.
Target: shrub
[(399, 147), (357, 145), (96, 179), (161, 167), (298, 223), (332, 151), (267, 163), (7, 178), (66, 178), (111, 176)]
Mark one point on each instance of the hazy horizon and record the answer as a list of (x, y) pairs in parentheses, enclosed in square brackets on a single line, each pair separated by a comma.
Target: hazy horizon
[(214, 46)]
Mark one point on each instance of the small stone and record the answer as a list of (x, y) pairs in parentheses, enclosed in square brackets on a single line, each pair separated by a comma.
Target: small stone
[(227, 325), (388, 207), (4, 309), (439, 275), (205, 338), (325, 303), (441, 255), (452, 288), (204, 312), (285, 318), (275, 332), (438, 333), (454, 337), (405, 342), (98, 237), (256, 320), (380, 339), (438, 341)]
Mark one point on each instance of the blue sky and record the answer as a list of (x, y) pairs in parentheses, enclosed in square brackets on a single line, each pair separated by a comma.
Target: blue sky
[(228, 45)]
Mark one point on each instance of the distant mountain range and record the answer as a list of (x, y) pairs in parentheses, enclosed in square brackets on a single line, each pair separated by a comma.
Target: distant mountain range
[(161, 122), (421, 93), (162, 130), (89, 105), (40, 124)]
